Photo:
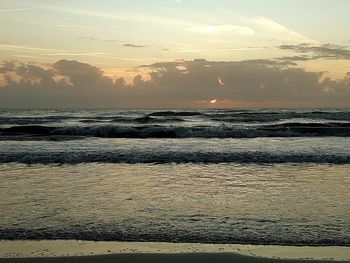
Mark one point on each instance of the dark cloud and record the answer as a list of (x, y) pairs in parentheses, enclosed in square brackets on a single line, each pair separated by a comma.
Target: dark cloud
[(82, 74), (254, 80), (133, 45), (170, 84), (119, 41), (330, 51), (296, 58), (165, 65)]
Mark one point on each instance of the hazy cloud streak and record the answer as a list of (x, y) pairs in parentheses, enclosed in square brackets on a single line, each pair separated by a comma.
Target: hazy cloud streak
[(207, 29)]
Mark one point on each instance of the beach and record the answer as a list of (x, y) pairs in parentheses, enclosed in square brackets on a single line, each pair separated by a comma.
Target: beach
[(89, 251), (174, 131), (171, 258)]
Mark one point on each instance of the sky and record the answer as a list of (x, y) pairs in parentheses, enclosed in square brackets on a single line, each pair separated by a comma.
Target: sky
[(174, 53)]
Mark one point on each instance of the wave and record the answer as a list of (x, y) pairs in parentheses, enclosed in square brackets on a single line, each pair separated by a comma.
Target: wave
[(310, 129), (277, 116), (157, 131), (31, 120), (37, 120), (148, 119), (169, 116), (148, 232), (175, 113), (28, 130), (142, 120), (159, 157)]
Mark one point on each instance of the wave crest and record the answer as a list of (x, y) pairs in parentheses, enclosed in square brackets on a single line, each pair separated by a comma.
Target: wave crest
[(158, 131)]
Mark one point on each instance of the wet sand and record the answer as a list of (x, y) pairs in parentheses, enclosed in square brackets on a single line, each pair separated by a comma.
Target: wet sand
[(154, 258), (75, 251)]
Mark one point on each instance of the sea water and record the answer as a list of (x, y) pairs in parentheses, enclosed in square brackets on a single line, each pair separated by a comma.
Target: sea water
[(262, 176)]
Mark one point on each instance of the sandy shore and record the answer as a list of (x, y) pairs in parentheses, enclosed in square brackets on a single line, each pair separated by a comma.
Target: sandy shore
[(154, 258), (88, 251)]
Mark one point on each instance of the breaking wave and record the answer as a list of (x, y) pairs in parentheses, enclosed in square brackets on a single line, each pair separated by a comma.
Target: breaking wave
[(157, 131), (175, 113), (75, 157)]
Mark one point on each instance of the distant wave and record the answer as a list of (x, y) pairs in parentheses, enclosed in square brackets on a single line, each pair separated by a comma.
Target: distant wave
[(277, 116), (309, 129), (75, 157), (175, 113), (157, 131), (31, 120), (148, 119), (163, 117)]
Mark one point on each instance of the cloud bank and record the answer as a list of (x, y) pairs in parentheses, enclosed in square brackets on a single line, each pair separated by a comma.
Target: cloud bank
[(195, 83), (327, 51)]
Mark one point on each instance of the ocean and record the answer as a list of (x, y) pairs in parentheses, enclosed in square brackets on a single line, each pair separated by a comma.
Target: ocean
[(247, 176)]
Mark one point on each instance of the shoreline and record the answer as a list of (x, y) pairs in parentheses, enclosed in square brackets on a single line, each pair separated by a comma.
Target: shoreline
[(169, 258), (76, 251)]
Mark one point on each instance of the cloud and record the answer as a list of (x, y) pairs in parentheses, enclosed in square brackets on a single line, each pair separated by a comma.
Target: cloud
[(82, 75), (82, 54), (170, 84), (124, 17), (89, 38), (192, 50), (76, 26), (296, 58), (25, 56), (27, 48), (240, 30), (97, 39), (221, 49), (128, 59), (15, 9), (133, 45), (243, 49), (123, 45), (330, 51), (274, 29)]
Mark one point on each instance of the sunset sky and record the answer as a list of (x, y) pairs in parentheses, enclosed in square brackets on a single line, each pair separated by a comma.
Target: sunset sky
[(175, 53)]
